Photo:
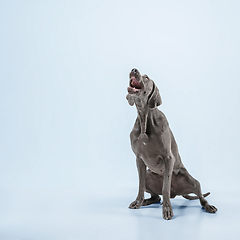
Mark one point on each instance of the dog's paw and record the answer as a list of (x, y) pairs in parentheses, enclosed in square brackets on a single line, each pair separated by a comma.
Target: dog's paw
[(210, 208), (167, 211), (136, 204)]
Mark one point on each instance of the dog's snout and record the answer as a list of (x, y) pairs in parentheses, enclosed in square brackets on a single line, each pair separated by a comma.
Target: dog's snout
[(135, 73)]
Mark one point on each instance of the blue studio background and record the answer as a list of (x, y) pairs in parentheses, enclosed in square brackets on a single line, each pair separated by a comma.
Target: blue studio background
[(66, 166)]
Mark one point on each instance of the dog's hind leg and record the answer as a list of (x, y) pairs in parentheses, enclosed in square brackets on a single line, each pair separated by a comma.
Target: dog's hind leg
[(154, 187), (153, 199), (196, 188)]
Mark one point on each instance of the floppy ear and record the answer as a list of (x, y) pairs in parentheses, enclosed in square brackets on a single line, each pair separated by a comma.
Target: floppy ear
[(154, 98), (130, 99)]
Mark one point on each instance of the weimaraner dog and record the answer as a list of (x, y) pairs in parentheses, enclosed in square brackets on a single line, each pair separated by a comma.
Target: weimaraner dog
[(155, 148)]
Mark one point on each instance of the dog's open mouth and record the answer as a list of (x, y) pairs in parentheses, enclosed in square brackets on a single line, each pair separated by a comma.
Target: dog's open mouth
[(135, 85)]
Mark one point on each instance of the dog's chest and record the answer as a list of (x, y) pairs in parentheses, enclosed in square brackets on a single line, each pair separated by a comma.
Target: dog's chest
[(149, 152)]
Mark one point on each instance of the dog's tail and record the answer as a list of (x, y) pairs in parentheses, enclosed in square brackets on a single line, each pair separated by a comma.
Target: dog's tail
[(194, 197)]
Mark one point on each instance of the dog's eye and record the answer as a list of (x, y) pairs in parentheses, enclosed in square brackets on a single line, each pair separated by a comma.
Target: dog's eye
[(144, 92)]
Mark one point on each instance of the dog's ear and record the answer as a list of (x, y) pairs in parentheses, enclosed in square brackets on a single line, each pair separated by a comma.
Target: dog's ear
[(154, 98), (130, 99)]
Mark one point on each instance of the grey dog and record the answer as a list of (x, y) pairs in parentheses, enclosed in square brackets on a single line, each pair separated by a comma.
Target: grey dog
[(155, 148)]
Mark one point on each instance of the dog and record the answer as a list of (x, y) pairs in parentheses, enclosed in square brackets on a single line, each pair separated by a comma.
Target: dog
[(160, 169)]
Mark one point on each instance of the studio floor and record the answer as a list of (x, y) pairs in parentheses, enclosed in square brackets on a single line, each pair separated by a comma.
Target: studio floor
[(68, 214)]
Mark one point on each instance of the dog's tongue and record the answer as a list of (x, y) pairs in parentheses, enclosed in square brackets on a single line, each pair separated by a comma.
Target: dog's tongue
[(135, 83)]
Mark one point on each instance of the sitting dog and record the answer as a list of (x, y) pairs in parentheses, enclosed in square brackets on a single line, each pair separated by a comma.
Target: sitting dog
[(155, 148)]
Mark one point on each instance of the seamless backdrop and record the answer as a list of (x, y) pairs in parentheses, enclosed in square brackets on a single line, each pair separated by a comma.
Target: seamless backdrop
[(65, 122)]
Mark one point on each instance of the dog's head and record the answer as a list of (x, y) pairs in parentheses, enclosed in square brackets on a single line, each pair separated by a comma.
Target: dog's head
[(142, 91)]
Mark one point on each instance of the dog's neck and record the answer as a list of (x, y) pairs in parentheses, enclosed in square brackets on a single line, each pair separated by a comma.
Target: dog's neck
[(145, 114)]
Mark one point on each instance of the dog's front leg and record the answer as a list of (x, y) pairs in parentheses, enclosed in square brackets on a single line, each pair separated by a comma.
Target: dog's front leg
[(167, 207), (142, 178)]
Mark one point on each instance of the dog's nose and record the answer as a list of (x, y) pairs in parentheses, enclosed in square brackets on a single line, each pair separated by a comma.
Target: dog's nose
[(134, 70)]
